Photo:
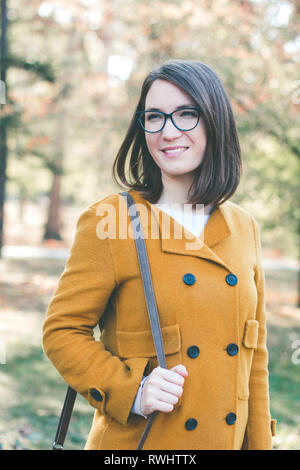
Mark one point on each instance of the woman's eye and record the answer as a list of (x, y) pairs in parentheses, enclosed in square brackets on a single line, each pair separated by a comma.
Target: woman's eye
[(153, 117), (188, 113)]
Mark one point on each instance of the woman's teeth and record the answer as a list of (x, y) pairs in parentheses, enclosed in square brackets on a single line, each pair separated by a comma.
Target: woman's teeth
[(175, 150)]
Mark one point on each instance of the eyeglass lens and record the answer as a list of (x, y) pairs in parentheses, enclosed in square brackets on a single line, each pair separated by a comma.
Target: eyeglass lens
[(184, 119)]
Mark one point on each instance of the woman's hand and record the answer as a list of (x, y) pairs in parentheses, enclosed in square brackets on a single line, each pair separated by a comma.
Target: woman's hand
[(162, 389)]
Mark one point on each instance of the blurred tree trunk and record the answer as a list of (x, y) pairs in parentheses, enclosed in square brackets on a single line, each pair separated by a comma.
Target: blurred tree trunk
[(53, 224), (3, 134)]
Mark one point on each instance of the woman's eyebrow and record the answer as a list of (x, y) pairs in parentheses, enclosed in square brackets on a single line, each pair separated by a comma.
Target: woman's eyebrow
[(177, 107)]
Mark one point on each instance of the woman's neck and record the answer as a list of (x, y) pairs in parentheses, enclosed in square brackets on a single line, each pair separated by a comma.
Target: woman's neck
[(178, 195)]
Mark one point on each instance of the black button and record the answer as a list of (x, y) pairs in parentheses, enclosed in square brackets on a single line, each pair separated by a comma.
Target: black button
[(231, 418), (231, 279), (232, 349), (189, 279), (96, 394), (193, 351), (191, 424)]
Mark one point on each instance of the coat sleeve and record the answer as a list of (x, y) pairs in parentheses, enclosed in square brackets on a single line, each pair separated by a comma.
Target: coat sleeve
[(108, 383), (259, 428)]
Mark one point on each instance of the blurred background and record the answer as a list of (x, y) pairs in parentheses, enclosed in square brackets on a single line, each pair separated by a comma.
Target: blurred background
[(71, 72)]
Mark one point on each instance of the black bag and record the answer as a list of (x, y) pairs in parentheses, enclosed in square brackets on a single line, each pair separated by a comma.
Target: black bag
[(155, 326)]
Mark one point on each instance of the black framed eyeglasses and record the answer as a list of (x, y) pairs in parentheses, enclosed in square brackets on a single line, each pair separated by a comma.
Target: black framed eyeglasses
[(184, 119)]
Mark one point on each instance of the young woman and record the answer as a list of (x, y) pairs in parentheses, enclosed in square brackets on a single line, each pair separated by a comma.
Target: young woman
[(181, 153)]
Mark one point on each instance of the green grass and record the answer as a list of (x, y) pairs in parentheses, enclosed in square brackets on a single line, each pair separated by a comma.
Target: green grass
[(39, 394), (32, 392)]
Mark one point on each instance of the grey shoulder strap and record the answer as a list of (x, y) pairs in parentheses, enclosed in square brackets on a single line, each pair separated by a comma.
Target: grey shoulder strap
[(147, 280)]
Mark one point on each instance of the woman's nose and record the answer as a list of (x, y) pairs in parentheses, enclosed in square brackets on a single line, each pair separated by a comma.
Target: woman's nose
[(170, 131)]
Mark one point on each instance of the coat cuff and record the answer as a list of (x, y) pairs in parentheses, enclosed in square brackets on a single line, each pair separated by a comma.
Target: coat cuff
[(117, 401)]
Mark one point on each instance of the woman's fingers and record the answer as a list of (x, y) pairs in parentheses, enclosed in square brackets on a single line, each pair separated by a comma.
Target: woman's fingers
[(172, 388), (163, 406), (151, 404), (172, 376), (167, 397)]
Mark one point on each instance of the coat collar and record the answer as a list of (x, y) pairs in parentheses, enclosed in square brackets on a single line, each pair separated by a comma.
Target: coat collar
[(216, 230)]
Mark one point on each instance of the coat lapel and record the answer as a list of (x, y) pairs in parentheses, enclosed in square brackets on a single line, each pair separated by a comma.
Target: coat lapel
[(183, 242)]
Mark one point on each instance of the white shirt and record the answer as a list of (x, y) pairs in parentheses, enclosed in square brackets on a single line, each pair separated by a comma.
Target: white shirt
[(195, 223), (192, 221)]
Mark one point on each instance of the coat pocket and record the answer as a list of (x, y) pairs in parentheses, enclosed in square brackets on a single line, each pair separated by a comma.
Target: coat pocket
[(141, 344), (249, 341), (251, 334)]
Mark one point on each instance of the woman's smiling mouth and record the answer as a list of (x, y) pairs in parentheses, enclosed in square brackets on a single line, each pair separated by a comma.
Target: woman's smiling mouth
[(174, 151)]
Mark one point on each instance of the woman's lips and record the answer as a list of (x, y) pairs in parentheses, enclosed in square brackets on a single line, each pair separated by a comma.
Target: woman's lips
[(174, 151)]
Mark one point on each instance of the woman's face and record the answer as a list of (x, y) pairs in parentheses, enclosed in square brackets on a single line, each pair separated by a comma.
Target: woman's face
[(177, 153)]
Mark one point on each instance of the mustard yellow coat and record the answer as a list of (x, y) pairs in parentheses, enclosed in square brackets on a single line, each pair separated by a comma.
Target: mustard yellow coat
[(225, 402)]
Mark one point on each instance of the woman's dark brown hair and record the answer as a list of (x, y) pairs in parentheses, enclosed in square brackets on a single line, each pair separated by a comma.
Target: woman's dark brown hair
[(218, 175)]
